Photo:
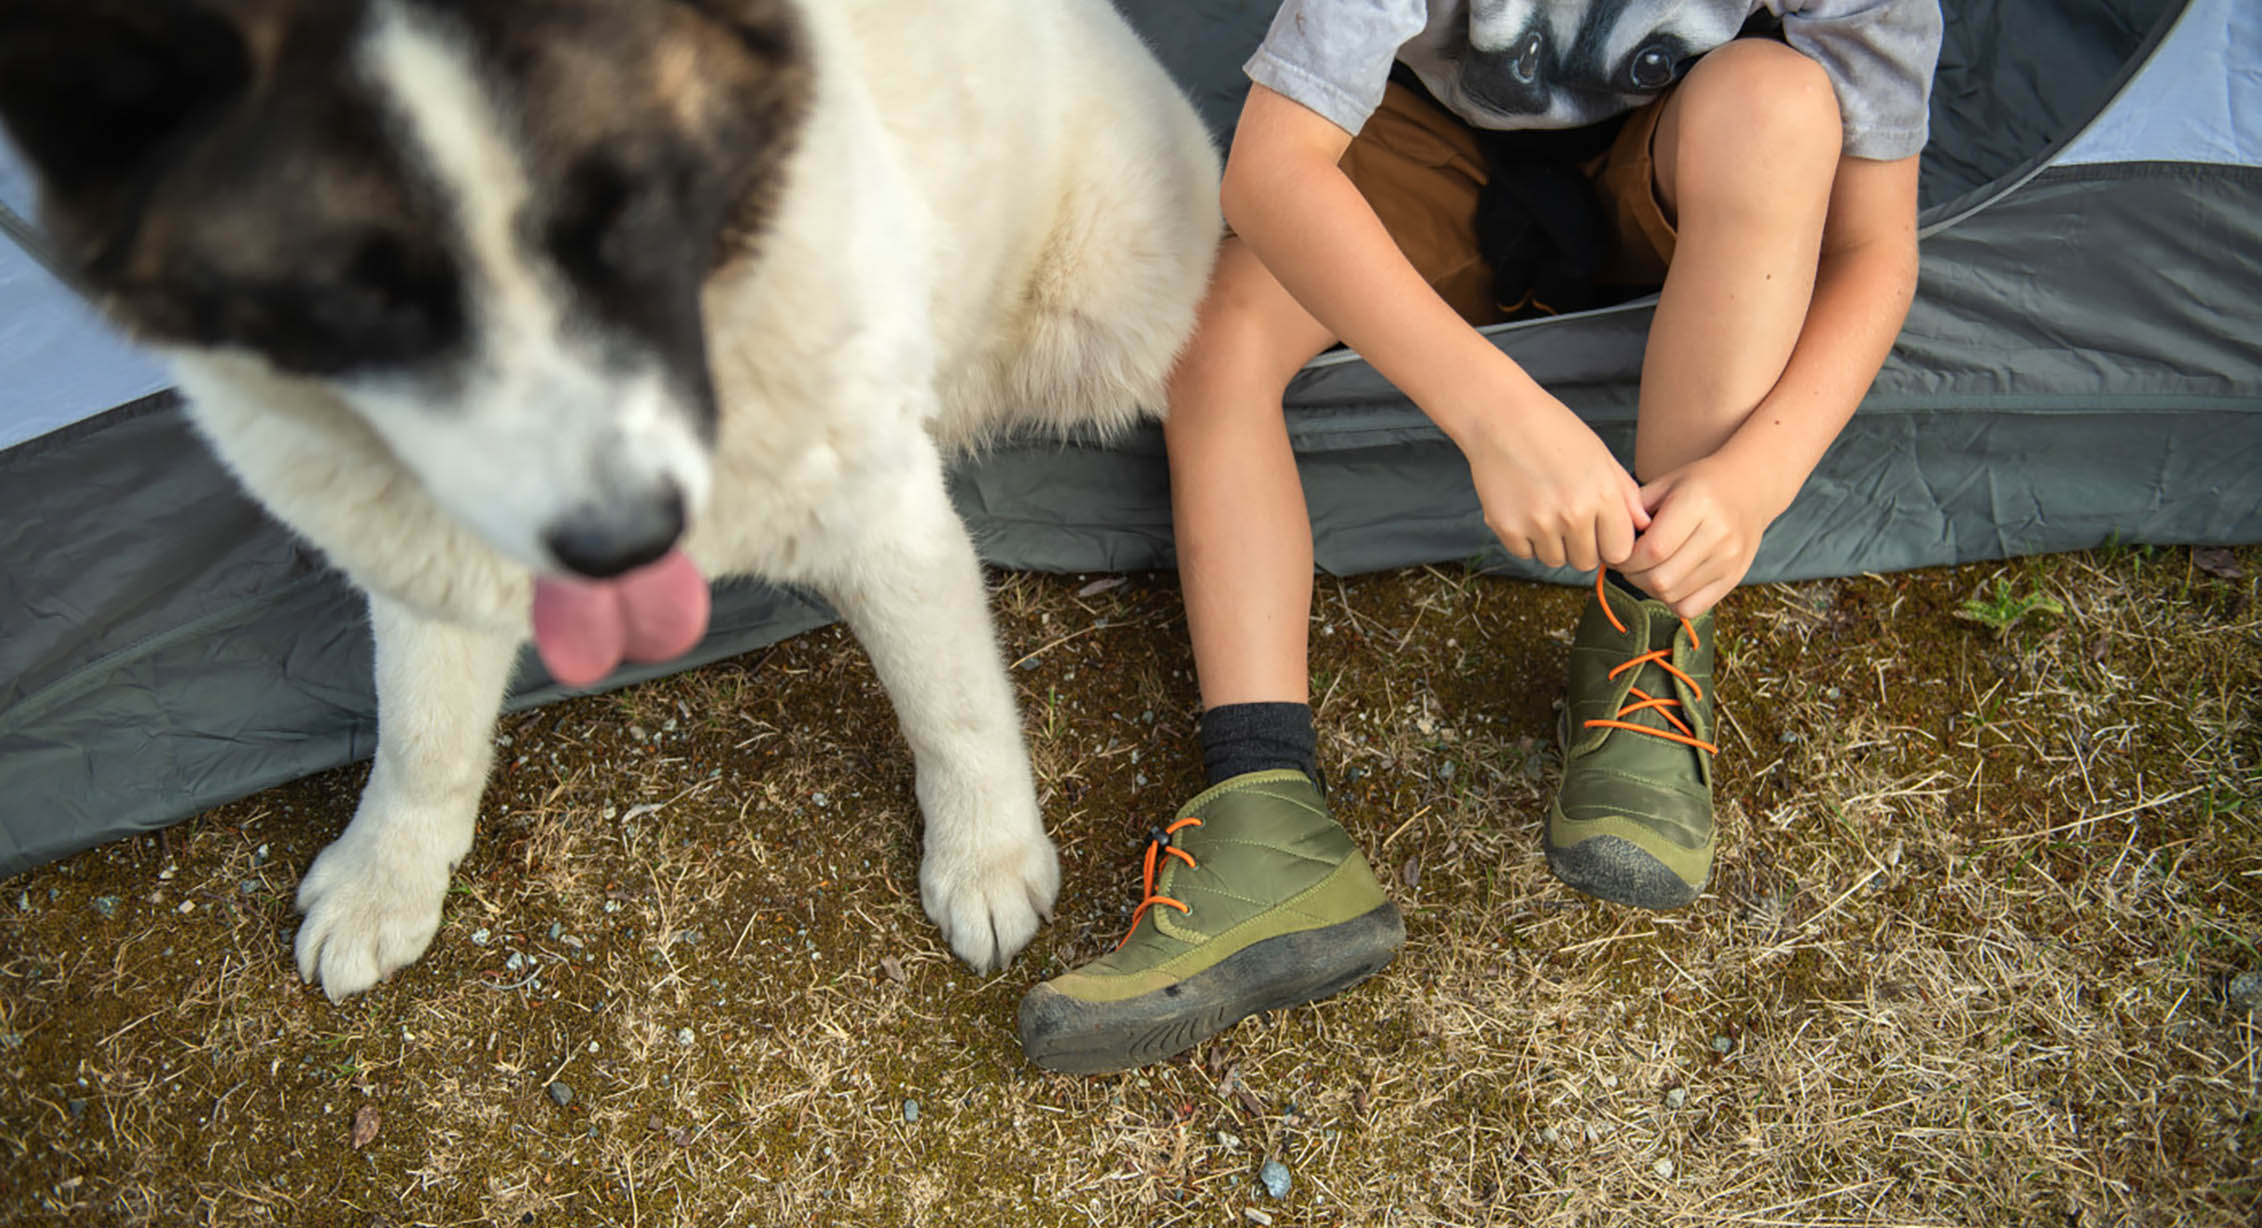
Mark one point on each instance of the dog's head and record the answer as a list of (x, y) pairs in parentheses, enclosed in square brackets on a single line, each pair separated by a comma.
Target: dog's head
[(1558, 64), (482, 224)]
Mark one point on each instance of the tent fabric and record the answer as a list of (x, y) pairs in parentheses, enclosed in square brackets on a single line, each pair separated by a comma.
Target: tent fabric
[(2077, 367), (58, 362), (2198, 99)]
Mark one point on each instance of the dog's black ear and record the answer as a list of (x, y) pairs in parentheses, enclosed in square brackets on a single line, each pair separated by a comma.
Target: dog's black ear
[(92, 90)]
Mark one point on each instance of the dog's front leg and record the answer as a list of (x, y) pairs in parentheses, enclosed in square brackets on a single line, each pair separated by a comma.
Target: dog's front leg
[(911, 589), (372, 899)]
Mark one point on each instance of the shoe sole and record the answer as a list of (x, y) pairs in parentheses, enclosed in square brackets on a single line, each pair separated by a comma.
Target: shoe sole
[(1616, 869), (1070, 1036)]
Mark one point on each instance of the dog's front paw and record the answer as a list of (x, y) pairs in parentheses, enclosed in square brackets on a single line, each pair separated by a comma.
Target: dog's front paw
[(990, 896), (371, 906)]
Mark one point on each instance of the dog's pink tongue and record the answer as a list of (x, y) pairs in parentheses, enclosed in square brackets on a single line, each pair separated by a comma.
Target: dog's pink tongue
[(584, 628)]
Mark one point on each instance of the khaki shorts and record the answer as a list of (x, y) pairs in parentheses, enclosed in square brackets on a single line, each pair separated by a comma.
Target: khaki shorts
[(1419, 166)]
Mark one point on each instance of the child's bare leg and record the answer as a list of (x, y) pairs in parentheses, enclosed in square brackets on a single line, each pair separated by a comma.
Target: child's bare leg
[(1229, 927), (1244, 537), (1745, 152)]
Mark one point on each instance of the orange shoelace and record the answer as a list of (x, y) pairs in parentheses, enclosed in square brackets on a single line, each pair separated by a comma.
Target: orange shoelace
[(1158, 848), (1663, 659)]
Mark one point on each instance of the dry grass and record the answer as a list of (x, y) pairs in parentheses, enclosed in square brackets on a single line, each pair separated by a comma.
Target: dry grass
[(1964, 961)]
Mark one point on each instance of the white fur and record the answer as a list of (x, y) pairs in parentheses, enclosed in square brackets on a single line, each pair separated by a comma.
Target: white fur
[(576, 429), (999, 208)]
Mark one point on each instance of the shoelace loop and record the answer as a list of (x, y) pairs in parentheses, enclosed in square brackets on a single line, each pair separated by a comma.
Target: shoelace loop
[(1663, 659), (1159, 846)]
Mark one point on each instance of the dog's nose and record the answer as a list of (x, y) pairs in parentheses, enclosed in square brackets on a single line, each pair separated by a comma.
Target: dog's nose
[(621, 536)]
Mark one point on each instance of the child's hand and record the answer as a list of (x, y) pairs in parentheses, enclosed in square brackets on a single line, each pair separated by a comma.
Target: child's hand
[(1551, 490), (1708, 517)]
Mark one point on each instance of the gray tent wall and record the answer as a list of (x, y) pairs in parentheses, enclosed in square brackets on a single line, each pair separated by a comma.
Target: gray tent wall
[(2079, 365)]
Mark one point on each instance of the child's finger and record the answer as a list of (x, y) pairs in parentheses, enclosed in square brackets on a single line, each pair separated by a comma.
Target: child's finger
[(1667, 535), (1638, 505), (1614, 538), (1548, 547), (1579, 548), (1690, 568), (1652, 496), (1707, 597)]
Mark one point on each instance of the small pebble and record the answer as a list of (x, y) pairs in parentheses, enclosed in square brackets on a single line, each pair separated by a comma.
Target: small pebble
[(684, 1037), (1275, 1176), (1676, 1098), (251, 886), (557, 930), (23, 901), (107, 905), (188, 906), (818, 798), (1550, 1135), (561, 1095), (515, 962), (1721, 1044), (2246, 991), (1229, 1140), (259, 856), (1446, 770), (75, 1107), (1663, 1168), (911, 1110), (1255, 1216), (480, 936)]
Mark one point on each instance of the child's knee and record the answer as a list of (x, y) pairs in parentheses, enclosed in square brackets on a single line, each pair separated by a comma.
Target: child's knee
[(1250, 340), (1756, 109)]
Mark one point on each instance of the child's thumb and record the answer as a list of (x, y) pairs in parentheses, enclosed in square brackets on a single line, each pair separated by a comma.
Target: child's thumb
[(1645, 501), (1654, 494)]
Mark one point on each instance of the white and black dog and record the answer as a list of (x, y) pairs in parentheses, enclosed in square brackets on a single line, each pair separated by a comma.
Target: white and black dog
[(534, 314)]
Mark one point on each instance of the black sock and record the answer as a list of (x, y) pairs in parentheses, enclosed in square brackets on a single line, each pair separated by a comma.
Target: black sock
[(1239, 738), (1618, 578)]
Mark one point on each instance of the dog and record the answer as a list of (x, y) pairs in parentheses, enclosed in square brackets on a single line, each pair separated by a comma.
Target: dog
[(533, 315)]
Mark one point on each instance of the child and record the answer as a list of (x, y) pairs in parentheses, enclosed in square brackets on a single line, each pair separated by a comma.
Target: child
[(1773, 184)]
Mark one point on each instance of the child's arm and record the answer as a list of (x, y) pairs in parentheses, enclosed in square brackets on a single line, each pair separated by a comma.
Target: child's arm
[(1550, 488), (1709, 514)]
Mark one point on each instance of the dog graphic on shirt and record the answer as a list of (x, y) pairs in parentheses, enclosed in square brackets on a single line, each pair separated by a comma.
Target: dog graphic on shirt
[(1567, 63)]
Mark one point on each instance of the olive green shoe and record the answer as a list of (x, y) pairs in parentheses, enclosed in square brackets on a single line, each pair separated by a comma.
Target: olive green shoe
[(1255, 899), (1632, 822)]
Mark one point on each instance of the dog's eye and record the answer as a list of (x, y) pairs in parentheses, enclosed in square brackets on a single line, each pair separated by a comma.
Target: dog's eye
[(595, 198), (1525, 67), (1652, 67), (609, 222), (372, 300)]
